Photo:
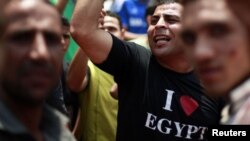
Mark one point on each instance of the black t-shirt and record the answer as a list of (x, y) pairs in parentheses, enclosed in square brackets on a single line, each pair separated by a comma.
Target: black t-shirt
[(155, 103)]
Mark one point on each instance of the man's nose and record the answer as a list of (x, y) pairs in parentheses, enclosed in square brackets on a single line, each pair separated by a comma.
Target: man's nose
[(39, 48), (203, 49), (162, 23)]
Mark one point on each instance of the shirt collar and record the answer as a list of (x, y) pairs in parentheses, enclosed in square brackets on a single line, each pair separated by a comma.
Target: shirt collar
[(51, 121), (239, 94)]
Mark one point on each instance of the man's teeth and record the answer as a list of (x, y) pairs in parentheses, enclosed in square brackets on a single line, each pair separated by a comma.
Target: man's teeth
[(164, 38)]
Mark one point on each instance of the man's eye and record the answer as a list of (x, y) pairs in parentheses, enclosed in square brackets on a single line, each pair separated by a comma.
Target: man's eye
[(112, 29), (188, 37), (217, 31), (52, 40), (154, 21), (21, 38), (172, 20)]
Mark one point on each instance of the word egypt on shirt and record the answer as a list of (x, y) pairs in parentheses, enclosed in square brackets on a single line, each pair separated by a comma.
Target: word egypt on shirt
[(175, 128)]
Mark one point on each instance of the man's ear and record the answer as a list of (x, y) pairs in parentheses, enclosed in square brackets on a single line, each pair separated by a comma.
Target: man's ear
[(123, 30)]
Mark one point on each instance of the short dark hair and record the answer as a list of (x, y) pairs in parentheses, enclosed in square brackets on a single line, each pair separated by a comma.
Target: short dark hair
[(160, 2), (112, 14), (150, 10)]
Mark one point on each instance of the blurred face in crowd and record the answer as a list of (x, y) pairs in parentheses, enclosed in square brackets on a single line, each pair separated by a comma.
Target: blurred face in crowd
[(163, 29), (111, 24), (33, 49), (65, 38), (217, 44)]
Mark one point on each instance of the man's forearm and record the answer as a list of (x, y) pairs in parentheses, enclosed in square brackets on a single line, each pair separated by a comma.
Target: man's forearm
[(86, 15), (77, 74), (95, 42)]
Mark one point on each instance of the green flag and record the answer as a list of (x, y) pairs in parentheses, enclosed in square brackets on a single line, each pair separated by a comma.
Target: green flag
[(68, 14)]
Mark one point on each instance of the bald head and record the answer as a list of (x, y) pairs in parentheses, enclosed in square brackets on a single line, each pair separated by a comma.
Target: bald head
[(19, 9)]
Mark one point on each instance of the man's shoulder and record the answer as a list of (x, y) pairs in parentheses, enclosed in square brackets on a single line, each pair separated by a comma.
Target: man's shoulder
[(133, 47), (57, 123), (52, 113), (8, 122)]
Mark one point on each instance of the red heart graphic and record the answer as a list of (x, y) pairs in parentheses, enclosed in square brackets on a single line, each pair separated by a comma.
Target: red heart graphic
[(189, 105)]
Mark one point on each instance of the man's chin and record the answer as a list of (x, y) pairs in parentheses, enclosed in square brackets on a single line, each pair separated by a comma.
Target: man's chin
[(33, 102), (25, 95), (31, 98), (38, 96), (217, 92)]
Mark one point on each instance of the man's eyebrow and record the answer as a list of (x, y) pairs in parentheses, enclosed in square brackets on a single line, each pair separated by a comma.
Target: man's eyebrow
[(210, 24), (171, 16), (20, 31), (155, 16), (168, 15)]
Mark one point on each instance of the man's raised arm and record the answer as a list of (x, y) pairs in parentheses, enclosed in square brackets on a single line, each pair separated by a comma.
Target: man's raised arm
[(95, 42)]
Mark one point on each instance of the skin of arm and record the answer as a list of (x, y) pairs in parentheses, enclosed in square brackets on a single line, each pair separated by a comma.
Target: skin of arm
[(114, 91), (77, 78), (95, 42)]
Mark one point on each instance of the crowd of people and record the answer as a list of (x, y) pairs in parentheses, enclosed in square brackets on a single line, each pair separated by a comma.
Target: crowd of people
[(144, 70)]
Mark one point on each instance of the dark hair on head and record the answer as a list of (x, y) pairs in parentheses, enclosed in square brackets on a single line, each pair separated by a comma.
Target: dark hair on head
[(160, 2), (112, 14), (150, 10), (65, 21)]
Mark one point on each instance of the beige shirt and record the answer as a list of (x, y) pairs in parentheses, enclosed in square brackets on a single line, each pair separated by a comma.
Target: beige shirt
[(237, 112)]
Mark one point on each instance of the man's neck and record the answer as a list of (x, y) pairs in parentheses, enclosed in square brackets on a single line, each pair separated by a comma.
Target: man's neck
[(177, 63), (29, 115), (31, 118)]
